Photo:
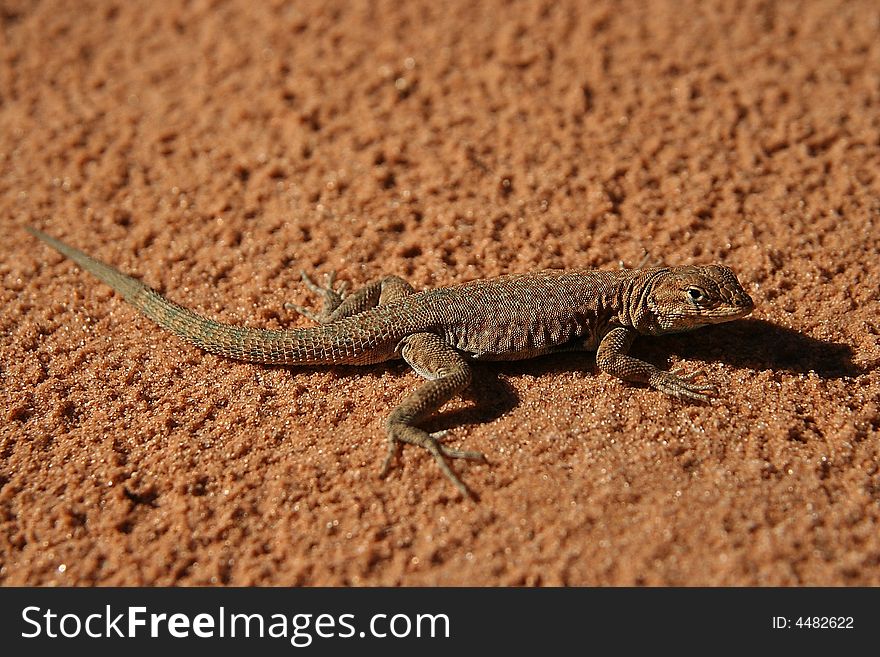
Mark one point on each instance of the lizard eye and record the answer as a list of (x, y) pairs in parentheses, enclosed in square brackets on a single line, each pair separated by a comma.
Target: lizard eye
[(696, 294)]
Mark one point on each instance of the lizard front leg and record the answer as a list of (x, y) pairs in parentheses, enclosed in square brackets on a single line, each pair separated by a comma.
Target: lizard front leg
[(338, 305), (448, 374), (611, 357)]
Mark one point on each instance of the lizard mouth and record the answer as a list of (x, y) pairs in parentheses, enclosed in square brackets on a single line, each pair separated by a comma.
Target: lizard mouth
[(741, 309), (735, 308), (736, 303), (746, 306)]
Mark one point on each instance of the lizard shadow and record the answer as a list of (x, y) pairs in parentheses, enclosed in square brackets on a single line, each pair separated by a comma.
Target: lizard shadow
[(488, 397), (746, 344), (761, 345)]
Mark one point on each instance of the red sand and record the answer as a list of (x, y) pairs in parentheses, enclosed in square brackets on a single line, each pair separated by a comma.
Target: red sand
[(215, 150)]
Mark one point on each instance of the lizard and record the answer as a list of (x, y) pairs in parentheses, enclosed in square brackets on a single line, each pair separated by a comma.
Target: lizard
[(440, 332)]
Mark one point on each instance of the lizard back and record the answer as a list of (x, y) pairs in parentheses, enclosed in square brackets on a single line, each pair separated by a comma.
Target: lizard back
[(517, 315)]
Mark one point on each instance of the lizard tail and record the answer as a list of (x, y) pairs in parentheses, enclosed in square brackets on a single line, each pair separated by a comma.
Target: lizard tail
[(127, 286), (310, 346)]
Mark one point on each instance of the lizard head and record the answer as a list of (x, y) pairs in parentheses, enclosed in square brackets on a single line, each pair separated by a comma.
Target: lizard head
[(685, 298)]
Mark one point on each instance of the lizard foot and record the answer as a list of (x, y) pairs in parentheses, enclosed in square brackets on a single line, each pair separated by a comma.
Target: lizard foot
[(332, 297), (403, 433), (682, 385)]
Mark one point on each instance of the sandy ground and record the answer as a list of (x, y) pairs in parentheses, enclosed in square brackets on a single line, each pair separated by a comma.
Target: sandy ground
[(214, 150)]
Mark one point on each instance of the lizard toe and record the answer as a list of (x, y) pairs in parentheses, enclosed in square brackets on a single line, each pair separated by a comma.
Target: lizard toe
[(332, 297), (696, 395), (390, 458), (682, 386), (688, 376), (463, 454), (404, 433), (452, 453), (305, 312), (309, 283)]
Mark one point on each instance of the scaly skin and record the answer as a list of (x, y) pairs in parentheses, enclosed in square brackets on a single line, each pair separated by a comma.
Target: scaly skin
[(440, 332)]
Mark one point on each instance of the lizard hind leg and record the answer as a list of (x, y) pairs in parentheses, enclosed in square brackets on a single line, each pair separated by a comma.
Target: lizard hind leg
[(448, 374), (338, 305)]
